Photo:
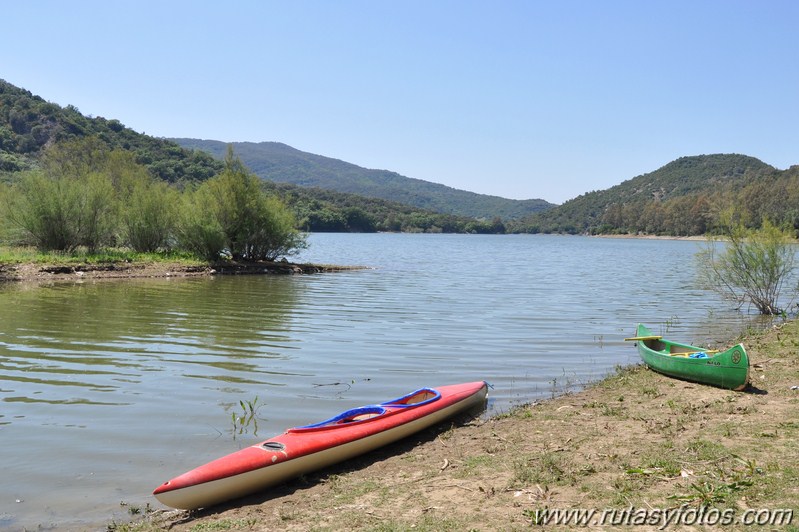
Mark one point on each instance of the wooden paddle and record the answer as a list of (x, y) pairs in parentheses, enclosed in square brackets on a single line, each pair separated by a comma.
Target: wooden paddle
[(641, 338)]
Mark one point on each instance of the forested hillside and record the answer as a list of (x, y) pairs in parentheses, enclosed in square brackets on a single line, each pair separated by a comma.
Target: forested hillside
[(28, 123), (682, 198), (283, 164)]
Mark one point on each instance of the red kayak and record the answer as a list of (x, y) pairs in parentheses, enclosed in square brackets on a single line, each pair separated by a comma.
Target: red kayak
[(301, 450)]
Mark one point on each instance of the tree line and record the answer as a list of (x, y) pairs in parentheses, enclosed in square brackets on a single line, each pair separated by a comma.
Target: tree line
[(85, 195), (321, 210)]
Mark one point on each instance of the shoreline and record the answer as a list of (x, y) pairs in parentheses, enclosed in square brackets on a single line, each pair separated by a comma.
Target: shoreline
[(635, 442), (77, 272), (696, 238)]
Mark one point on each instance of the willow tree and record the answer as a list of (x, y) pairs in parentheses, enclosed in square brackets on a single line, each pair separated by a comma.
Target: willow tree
[(147, 206), (61, 213), (233, 211), (750, 265)]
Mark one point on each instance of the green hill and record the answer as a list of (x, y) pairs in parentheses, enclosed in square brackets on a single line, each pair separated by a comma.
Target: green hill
[(670, 200), (283, 164), (28, 123)]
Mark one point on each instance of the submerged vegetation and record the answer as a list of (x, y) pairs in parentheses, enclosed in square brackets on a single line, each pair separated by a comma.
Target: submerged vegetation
[(246, 419)]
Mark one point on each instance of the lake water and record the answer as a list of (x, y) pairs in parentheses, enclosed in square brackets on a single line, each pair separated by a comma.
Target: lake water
[(107, 389)]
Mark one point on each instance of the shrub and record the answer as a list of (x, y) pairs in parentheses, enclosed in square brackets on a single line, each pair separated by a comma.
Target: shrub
[(253, 224), (198, 230), (149, 216), (61, 214), (753, 267)]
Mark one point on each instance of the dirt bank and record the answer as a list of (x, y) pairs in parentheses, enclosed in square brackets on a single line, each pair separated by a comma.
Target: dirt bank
[(637, 442), (35, 272)]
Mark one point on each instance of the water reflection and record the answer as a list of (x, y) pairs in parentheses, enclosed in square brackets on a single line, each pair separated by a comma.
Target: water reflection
[(100, 337)]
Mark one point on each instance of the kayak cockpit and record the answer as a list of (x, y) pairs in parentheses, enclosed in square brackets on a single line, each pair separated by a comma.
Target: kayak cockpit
[(355, 415), (417, 398), (361, 414)]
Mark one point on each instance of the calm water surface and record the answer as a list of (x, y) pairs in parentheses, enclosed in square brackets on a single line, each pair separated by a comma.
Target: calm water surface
[(107, 389)]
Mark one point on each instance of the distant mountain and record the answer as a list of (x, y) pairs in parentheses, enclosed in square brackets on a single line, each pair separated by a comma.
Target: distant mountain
[(28, 123), (283, 164), (649, 202)]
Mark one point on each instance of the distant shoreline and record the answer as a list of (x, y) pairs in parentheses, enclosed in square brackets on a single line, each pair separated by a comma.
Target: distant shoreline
[(654, 237)]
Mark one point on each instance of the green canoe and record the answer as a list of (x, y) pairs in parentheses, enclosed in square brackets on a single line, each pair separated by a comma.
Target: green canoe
[(725, 369)]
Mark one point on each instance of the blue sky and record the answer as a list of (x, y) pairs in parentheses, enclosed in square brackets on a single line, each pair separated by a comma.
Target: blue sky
[(520, 99)]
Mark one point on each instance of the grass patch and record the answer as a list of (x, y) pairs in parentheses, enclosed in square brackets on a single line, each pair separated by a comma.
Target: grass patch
[(428, 523), (225, 524), (479, 462), (546, 468), (343, 491), (20, 255)]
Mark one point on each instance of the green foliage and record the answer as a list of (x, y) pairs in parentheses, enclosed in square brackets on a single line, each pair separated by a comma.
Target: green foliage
[(28, 124), (149, 216), (276, 235), (254, 225), (753, 265), (72, 200), (246, 420), (198, 232), (95, 215), (321, 210), (75, 158), (88, 196), (60, 214), (28, 209), (682, 198)]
